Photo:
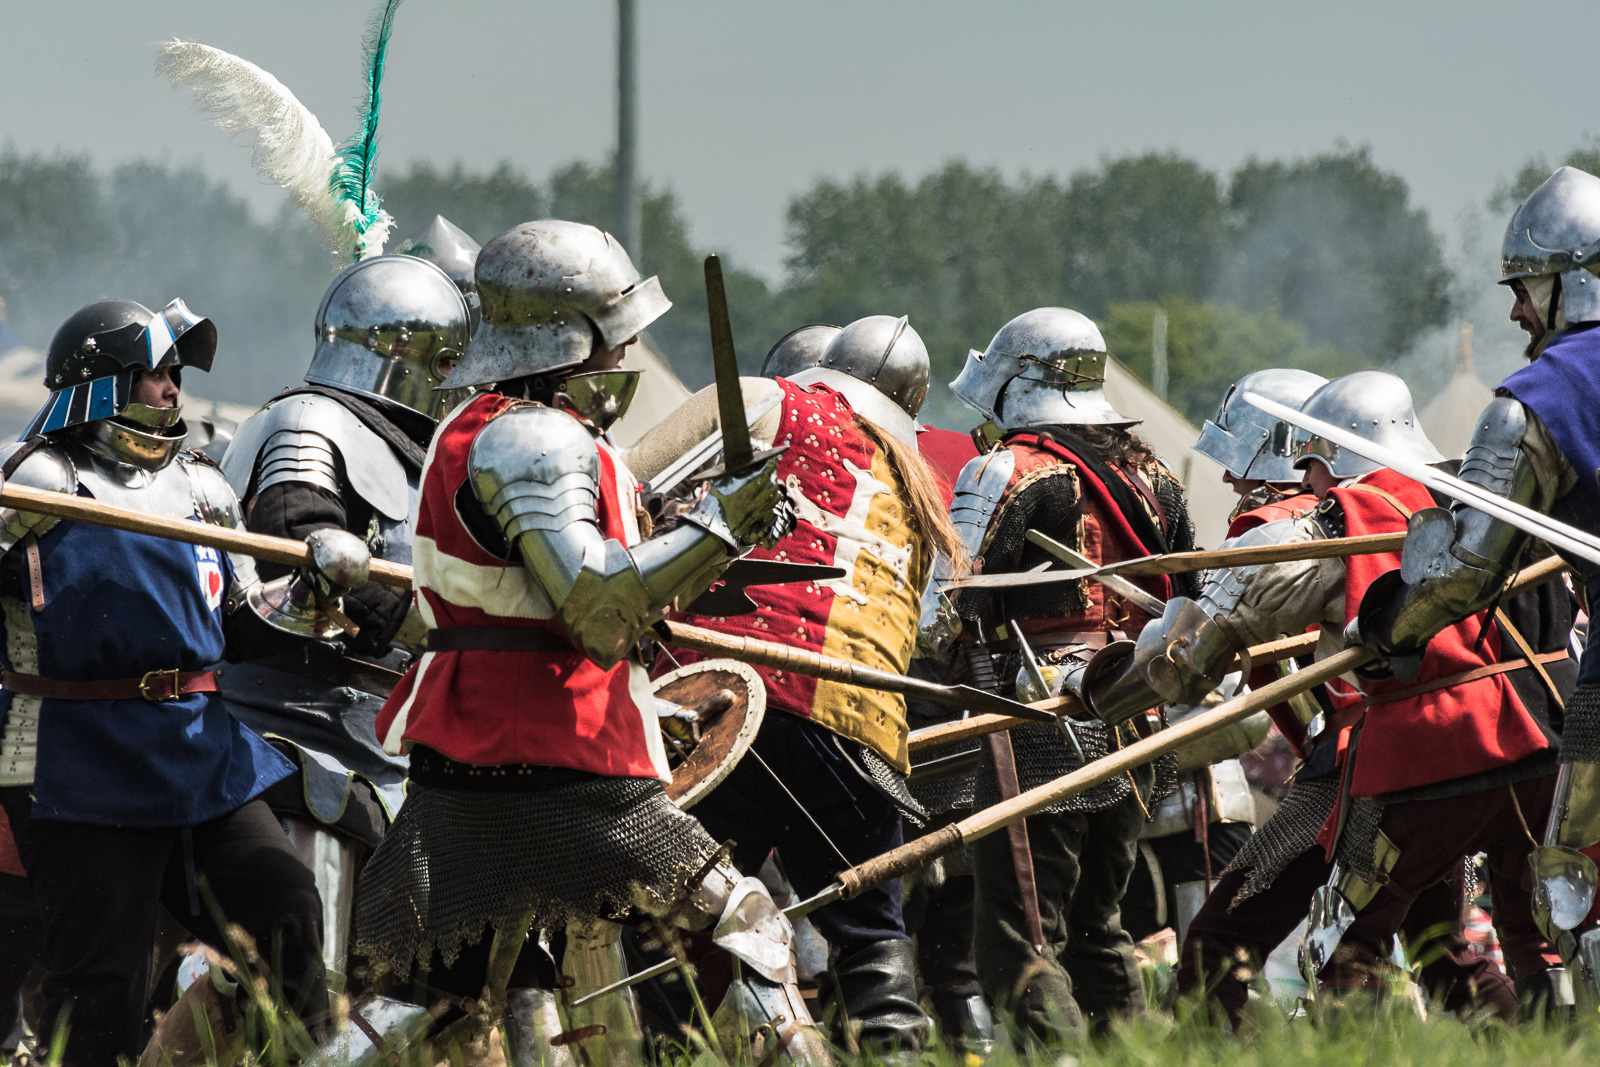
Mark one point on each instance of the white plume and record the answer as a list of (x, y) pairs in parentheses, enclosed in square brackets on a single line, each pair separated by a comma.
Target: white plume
[(289, 145)]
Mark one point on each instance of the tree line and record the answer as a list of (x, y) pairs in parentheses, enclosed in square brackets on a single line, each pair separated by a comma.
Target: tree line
[(1322, 262)]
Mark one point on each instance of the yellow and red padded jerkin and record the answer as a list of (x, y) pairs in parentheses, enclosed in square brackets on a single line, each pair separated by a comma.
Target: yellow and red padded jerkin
[(852, 514)]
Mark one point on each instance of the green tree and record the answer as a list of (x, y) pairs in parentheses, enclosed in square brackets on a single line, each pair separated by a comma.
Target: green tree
[(1210, 346), (1514, 190), (1333, 244)]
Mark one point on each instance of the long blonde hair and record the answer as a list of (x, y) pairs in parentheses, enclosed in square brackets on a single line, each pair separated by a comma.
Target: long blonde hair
[(926, 504)]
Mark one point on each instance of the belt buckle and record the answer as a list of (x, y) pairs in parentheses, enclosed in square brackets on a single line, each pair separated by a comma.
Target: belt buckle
[(144, 685)]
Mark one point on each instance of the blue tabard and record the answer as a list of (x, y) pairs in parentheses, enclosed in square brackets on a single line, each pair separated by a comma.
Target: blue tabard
[(1562, 387), (116, 606)]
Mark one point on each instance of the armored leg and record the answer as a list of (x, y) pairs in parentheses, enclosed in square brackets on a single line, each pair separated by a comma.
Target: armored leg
[(763, 1008), (532, 1023), (1190, 897), (331, 859), (594, 959), (386, 1027)]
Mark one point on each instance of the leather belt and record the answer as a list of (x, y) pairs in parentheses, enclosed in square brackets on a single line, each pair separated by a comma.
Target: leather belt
[(154, 686), (496, 639)]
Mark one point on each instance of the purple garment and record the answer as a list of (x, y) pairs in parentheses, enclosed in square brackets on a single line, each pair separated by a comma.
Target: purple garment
[(1562, 387)]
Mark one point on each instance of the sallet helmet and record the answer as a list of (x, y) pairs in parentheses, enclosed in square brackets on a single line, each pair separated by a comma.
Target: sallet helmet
[(546, 288), (1372, 403), (799, 349), (391, 328), (451, 249), (1246, 440), (1045, 367), (1556, 231), (91, 366), (880, 365)]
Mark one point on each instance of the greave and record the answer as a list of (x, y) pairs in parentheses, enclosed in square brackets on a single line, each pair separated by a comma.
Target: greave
[(395, 1024), (760, 1021), (1188, 897), (532, 1023), (332, 860), (594, 959)]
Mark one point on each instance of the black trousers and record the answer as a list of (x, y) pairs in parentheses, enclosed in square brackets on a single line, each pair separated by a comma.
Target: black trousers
[(759, 814), (1081, 866), (100, 888)]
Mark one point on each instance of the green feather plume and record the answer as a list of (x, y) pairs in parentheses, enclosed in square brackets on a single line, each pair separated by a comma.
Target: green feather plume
[(351, 183)]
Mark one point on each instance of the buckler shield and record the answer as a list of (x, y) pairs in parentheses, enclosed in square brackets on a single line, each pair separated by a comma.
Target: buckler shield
[(710, 712)]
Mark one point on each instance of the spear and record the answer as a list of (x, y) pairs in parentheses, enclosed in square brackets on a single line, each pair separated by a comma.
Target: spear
[(897, 862)]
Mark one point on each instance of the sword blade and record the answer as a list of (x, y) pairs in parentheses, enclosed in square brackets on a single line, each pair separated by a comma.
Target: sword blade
[(736, 450), (1557, 533), (1148, 603)]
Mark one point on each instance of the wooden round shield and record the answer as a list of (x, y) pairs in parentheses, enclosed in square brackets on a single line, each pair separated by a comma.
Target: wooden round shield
[(724, 736)]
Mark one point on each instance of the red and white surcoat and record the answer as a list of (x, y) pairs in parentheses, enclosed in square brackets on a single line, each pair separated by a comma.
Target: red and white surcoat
[(491, 707)]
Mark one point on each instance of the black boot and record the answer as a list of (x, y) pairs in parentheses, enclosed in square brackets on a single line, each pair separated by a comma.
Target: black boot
[(873, 993), (966, 1023)]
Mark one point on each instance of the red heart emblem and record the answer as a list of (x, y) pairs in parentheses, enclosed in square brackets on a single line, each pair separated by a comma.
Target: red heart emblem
[(215, 581)]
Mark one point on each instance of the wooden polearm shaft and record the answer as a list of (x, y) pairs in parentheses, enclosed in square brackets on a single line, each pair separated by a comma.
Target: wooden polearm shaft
[(913, 854), (283, 550), (979, 725), (1207, 559), (816, 665)]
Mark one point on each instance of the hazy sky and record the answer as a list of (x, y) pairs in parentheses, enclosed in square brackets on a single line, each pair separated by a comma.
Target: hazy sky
[(745, 103)]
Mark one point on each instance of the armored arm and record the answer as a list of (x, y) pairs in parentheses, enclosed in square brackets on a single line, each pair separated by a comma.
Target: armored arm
[(1184, 655), (976, 497), (536, 471), (1456, 560), (45, 467)]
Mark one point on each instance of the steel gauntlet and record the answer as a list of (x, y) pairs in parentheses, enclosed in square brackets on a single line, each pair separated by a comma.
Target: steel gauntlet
[(307, 602)]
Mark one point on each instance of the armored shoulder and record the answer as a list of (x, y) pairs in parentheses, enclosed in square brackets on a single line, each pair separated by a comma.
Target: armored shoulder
[(535, 468), (214, 499), (46, 467), (309, 439), (977, 494)]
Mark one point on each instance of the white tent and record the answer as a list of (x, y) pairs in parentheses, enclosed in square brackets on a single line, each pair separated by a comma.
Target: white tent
[(1448, 419)]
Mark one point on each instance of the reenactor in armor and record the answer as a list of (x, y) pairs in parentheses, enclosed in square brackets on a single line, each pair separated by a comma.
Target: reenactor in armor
[(345, 452), (1538, 444), (1182, 853), (824, 783), (127, 784), (1050, 943), (536, 759), (1369, 826)]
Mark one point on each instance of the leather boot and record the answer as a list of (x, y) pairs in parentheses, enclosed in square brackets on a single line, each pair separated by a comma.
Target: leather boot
[(205, 1026), (874, 993), (966, 1023)]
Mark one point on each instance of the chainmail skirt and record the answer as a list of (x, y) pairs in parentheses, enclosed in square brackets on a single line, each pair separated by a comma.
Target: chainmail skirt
[(1293, 829), (456, 862)]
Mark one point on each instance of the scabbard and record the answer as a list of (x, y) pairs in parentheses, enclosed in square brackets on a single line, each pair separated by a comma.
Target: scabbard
[(1005, 766)]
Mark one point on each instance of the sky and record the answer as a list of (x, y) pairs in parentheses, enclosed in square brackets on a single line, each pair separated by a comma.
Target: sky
[(745, 104)]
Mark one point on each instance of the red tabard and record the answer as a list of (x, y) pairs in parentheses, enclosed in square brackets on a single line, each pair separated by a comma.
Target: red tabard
[(1440, 735), (1290, 507), (852, 513), (1106, 538), (485, 707)]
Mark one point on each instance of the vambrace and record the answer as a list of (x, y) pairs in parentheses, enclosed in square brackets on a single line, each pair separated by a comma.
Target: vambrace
[(537, 473), (1456, 560), (1184, 655)]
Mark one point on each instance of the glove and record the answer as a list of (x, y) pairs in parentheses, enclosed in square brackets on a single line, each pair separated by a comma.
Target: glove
[(752, 508), (339, 560)]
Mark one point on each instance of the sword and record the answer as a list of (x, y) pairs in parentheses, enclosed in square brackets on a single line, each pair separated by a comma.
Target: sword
[(1559, 534), (1152, 606), (736, 451)]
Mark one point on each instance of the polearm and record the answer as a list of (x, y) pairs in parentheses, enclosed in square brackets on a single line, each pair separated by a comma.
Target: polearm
[(283, 550), (1183, 562), (978, 725), (896, 862), (816, 665)]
